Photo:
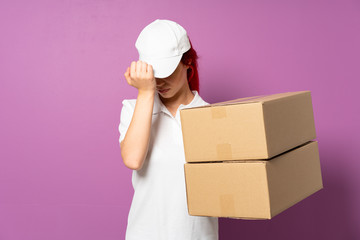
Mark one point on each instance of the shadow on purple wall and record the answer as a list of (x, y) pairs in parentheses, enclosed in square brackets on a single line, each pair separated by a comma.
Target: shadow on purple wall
[(218, 88), (324, 215)]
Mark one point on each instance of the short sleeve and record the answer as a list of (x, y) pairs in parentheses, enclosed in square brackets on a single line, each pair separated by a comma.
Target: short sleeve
[(126, 114)]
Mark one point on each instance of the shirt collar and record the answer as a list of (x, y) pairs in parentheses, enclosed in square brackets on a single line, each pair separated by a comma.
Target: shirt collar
[(160, 107)]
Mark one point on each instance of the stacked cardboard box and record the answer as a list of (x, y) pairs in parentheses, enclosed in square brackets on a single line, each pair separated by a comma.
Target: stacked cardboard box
[(250, 158)]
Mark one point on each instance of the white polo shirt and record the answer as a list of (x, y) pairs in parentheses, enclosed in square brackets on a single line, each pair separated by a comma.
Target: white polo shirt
[(159, 207)]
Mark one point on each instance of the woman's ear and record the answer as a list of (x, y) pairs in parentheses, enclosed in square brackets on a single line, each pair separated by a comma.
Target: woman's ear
[(191, 73)]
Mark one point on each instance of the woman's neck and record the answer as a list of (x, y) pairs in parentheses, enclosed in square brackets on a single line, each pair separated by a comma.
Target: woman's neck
[(182, 97)]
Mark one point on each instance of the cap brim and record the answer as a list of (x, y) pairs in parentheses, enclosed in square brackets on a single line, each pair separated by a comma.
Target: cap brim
[(163, 67)]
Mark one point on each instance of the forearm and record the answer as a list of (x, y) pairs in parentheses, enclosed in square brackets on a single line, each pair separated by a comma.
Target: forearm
[(135, 145)]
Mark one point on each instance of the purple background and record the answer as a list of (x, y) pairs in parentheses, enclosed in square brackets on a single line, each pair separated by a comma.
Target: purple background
[(61, 87)]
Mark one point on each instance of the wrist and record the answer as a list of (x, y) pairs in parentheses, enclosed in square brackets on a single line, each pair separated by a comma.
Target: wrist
[(148, 93)]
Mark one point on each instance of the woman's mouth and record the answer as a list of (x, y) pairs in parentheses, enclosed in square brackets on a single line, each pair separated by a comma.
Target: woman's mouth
[(163, 90)]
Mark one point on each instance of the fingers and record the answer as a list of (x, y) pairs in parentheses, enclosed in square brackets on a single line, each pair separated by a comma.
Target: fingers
[(127, 76), (138, 68), (140, 75), (149, 69), (132, 69), (139, 71)]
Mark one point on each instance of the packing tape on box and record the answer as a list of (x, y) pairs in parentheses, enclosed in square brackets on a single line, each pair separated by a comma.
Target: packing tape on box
[(227, 205), (224, 151), (218, 112)]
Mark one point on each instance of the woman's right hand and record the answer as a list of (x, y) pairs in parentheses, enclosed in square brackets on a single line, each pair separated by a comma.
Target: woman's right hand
[(141, 76)]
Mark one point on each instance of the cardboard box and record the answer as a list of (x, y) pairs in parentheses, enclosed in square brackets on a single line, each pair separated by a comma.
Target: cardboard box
[(248, 128), (253, 189)]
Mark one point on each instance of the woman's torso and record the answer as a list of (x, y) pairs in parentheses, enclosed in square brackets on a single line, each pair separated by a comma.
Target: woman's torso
[(159, 207)]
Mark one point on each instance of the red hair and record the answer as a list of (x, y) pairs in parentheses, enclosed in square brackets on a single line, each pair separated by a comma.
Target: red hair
[(189, 58)]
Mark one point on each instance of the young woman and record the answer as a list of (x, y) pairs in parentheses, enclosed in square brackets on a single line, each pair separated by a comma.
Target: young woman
[(151, 139)]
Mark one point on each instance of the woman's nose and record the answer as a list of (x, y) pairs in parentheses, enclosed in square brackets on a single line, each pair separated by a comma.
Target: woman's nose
[(159, 81)]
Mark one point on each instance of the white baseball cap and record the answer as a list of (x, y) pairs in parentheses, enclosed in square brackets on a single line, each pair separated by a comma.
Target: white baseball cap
[(162, 44)]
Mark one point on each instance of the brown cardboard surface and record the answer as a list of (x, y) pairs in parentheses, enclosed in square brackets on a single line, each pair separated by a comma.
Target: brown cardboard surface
[(248, 128), (253, 189), (293, 176)]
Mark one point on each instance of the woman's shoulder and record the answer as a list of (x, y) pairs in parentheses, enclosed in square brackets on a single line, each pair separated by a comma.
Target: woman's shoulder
[(129, 103), (127, 110), (199, 101)]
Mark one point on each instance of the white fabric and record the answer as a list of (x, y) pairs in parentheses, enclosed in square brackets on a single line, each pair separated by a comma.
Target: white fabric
[(162, 44), (159, 207)]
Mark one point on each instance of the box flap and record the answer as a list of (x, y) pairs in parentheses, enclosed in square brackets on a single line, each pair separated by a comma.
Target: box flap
[(254, 99)]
